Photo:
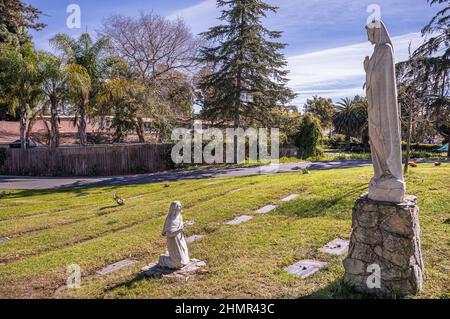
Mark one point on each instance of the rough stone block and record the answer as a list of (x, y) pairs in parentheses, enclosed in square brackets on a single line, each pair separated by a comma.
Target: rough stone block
[(155, 271), (386, 235)]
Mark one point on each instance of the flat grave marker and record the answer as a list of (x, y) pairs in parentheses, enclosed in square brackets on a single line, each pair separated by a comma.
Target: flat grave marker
[(193, 238), (304, 268), (239, 220), (290, 197), (266, 209), (336, 247), (116, 266)]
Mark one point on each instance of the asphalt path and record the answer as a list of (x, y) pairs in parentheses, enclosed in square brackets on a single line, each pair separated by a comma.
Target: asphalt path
[(40, 183), (21, 182)]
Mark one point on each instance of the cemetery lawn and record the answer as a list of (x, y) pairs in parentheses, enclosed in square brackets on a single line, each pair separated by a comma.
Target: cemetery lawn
[(50, 230)]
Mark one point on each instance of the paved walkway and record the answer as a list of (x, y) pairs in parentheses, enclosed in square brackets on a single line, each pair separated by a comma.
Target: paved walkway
[(14, 182)]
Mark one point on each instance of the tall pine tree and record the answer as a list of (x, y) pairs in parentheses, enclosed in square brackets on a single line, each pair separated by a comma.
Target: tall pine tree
[(248, 75), (434, 57), (16, 18)]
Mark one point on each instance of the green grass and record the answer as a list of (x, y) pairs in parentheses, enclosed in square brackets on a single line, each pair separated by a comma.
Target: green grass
[(51, 230), (328, 155)]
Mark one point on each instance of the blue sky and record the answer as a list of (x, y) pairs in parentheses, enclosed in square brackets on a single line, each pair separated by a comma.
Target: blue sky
[(326, 38)]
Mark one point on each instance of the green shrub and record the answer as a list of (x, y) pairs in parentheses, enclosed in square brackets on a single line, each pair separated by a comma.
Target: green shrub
[(337, 141), (421, 147), (421, 154), (309, 136)]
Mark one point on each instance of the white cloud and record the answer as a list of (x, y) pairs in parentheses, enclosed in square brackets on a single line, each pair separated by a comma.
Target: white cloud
[(339, 72), (199, 17), (334, 73)]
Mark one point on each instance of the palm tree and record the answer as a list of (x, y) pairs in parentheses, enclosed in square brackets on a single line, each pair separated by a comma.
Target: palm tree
[(348, 119), (20, 83), (79, 88), (89, 55), (54, 79), (362, 106), (121, 96)]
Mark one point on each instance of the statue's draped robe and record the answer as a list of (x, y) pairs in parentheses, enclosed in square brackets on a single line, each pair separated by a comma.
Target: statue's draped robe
[(384, 119), (384, 124), (178, 255)]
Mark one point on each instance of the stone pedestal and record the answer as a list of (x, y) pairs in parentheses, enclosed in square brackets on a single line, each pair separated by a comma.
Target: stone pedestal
[(385, 256), (155, 271)]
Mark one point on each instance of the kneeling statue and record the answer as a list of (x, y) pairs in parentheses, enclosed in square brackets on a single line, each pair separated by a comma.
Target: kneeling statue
[(177, 255)]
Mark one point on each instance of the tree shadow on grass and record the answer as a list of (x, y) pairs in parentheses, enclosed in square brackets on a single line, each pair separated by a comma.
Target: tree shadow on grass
[(130, 284), (75, 191), (80, 191), (339, 290), (155, 272), (127, 284), (311, 207)]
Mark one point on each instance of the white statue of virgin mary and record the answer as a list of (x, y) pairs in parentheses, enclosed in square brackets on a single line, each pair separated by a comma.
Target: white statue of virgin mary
[(177, 255), (384, 118)]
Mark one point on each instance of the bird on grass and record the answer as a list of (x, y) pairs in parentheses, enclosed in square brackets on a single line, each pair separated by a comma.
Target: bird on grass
[(119, 200), (412, 164)]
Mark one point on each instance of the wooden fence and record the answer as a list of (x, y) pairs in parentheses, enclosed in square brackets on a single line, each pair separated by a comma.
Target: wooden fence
[(93, 160), (98, 160)]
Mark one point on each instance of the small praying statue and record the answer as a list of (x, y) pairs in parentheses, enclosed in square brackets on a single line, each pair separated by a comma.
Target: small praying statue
[(384, 118), (177, 256)]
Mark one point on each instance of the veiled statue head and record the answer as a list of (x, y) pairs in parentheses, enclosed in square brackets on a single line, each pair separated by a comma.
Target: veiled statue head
[(175, 209), (174, 220), (377, 33)]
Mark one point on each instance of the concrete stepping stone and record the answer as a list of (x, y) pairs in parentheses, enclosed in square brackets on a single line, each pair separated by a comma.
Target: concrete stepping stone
[(155, 271), (4, 239), (290, 197), (336, 247), (266, 209), (116, 266), (193, 238), (239, 220), (304, 268)]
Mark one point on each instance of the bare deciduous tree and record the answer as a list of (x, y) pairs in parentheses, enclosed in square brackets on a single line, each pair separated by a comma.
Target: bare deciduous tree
[(151, 44), (157, 51)]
